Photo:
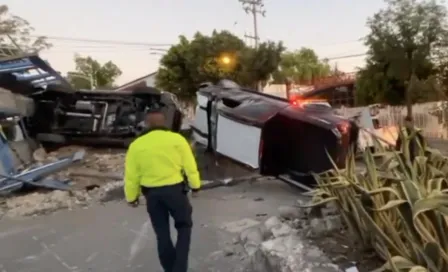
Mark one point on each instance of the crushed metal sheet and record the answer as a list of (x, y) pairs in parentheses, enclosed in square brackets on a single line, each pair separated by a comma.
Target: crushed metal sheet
[(32, 175)]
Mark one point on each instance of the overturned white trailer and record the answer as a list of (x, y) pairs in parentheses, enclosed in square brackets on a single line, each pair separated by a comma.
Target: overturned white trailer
[(271, 134)]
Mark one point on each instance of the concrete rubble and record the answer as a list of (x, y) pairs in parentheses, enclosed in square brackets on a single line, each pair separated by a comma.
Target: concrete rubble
[(85, 189), (282, 243), (98, 178)]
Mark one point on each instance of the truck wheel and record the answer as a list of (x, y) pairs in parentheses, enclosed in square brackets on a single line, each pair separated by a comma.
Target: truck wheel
[(51, 138)]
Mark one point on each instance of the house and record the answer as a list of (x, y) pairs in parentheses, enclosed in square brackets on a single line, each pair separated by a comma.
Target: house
[(144, 81)]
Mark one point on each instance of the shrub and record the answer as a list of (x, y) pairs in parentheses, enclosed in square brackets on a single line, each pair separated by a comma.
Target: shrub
[(398, 206)]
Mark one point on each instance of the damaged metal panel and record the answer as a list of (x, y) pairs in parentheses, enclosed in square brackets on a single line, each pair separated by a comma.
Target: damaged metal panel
[(35, 175), (15, 104), (18, 141), (6, 158), (24, 153), (28, 74)]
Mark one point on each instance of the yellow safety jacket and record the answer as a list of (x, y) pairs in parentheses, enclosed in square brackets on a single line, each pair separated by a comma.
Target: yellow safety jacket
[(157, 159)]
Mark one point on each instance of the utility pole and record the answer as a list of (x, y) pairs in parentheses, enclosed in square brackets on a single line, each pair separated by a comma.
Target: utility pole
[(254, 7), (250, 37)]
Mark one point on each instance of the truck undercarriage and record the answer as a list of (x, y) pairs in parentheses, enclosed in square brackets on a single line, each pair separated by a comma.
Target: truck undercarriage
[(62, 114), (100, 116)]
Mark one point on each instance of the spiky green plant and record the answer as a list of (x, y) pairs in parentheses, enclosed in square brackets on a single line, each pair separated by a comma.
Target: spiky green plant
[(398, 206)]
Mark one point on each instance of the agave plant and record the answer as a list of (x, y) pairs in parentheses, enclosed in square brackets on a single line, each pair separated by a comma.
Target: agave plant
[(398, 206)]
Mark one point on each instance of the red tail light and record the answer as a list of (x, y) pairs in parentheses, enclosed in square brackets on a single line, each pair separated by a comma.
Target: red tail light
[(296, 100), (344, 128)]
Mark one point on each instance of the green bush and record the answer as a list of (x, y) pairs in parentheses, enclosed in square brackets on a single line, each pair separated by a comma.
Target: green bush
[(398, 206)]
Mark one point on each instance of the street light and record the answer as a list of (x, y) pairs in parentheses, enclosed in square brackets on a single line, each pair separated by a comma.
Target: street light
[(226, 60)]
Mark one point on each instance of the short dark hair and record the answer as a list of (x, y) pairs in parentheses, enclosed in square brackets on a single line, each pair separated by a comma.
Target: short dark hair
[(408, 119)]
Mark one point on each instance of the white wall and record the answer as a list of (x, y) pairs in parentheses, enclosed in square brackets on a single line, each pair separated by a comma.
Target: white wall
[(151, 80)]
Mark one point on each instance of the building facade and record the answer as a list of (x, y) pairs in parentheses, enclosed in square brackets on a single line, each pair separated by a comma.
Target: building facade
[(144, 81)]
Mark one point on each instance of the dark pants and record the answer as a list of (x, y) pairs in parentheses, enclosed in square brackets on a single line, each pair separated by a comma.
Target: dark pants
[(161, 203)]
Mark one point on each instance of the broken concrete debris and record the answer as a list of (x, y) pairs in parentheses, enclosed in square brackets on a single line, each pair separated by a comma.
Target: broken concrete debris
[(36, 175), (97, 178), (285, 242), (39, 203), (106, 165), (276, 246)]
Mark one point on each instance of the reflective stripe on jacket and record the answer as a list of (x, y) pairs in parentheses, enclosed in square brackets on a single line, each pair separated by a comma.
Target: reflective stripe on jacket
[(157, 159)]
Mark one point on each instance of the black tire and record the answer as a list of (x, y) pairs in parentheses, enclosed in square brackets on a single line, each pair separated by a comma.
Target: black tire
[(51, 138)]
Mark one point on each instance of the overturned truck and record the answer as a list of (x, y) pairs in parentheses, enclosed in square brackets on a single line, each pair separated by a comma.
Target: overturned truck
[(62, 114), (288, 139)]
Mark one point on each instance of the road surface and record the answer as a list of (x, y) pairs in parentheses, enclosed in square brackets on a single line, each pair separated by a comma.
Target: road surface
[(106, 238)]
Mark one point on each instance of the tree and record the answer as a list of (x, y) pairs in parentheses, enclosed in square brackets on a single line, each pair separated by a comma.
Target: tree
[(90, 74), (302, 67), (403, 40), (16, 31), (211, 58)]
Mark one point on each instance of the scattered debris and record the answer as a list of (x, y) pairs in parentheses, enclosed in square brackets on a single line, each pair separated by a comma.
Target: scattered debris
[(51, 172), (44, 202), (99, 166), (97, 178), (302, 239), (275, 246), (324, 228), (36, 174)]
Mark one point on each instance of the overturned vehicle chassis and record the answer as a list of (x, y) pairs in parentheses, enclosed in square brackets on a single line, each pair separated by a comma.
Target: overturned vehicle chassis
[(100, 116), (57, 113), (271, 134)]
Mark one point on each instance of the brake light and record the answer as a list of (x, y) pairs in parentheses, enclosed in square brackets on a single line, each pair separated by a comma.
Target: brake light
[(294, 100), (343, 128), (298, 101)]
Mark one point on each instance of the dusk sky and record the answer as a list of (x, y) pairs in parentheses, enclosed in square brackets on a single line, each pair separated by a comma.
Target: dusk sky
[(331, 27)]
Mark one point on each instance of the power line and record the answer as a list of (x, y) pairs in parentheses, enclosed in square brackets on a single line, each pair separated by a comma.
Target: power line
[(102, 41), (334, 43), (256, 6), (346, 56), (257, 9)]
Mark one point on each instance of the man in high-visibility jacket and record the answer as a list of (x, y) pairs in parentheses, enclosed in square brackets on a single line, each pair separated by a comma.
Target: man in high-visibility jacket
[(155, 166)]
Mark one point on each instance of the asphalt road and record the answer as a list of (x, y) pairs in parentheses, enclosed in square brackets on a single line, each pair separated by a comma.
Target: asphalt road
[(113, 237)]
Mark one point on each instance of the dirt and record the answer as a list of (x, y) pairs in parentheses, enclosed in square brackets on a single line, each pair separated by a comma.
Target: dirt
[(105, 161), (345, 250), (86, 190)]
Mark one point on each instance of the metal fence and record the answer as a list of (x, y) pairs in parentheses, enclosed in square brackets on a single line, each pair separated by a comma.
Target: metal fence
[(431, 117)]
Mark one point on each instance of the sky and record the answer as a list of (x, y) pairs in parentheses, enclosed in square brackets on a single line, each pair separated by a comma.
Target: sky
[(332, 28)]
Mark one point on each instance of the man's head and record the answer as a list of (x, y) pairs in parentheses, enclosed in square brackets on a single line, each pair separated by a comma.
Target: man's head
[(155, 118)]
